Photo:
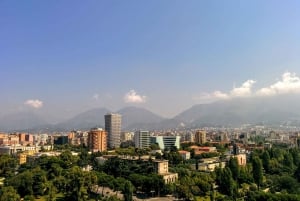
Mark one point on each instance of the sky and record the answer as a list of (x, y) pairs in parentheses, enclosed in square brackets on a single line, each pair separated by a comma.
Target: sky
[(60, 58)]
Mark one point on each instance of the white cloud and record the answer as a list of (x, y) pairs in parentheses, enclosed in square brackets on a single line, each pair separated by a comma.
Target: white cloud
[(289, 83), (209, 97), (220, 95), (34, 103), (133, 97), (243, 91), (96, 96)]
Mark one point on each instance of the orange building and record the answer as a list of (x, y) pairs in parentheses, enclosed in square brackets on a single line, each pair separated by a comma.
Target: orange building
[(11, 139), (97, 140), (22, 137), (3, 138), (25, 138)]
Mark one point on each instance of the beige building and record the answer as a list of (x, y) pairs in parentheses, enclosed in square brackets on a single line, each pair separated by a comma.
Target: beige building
[(208, 164), (22, 158), (186, 155), (210, 167), (200, 137), (241, 158), (127, 136), (97, 140), (162, 168)]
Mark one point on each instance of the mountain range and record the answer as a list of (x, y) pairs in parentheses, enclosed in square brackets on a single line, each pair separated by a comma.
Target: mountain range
[(235, 112)]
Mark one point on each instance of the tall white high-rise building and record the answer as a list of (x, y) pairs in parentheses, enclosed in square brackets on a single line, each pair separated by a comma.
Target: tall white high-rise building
[(113, 129)]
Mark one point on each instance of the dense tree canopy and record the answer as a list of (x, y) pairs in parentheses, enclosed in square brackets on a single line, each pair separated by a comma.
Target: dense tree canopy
[(271, 174)]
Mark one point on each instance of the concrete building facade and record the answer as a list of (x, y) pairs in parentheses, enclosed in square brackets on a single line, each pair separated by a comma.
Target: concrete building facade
[(142, 139), (113, 129), (127, 136), (166, 142), (200, 137)]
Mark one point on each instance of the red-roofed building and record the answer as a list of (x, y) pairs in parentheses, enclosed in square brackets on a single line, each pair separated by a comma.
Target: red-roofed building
[(199, 150), (186, 155)]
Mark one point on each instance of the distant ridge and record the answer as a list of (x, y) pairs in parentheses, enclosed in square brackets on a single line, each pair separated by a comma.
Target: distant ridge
[(283, 110), (21, 120), (138, 118), (243, 111), (86, 120)]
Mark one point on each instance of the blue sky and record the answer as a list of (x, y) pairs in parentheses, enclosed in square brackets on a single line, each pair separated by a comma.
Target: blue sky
[(59, 58)]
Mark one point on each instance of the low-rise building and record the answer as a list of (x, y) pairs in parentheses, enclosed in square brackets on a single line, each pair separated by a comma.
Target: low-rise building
[(14, 149), (162, 168), (199, 150), (210, 167), (22, 158), (186, 155), (208, 164)]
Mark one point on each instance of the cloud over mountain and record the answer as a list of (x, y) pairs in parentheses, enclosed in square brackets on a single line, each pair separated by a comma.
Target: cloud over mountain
[(133, 97), (96, 96), (243, 91), (34, 103), (289, 84)]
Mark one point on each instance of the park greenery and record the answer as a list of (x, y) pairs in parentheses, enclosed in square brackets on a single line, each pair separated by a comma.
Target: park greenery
[(270, 174)]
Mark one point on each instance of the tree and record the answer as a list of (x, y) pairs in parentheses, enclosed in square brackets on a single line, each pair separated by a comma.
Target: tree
[(79, 184), (284, 183), (266, 161), (7, 165), (8, 193), (297, 173), (67, 159), (158, 155), (39, 182), (23, 183), (212, 193), (128, 191), (288, 162), (296, 156), (127, 144), (154, 146), (184, 191), (83, 158), (234, 168), (155, 183), (51, 192), (105, 180), (225, 181), (29, 198), (257, 171), (245, 175)]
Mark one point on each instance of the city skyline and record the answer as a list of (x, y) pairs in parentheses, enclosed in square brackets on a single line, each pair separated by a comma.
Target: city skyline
[(60, 58)]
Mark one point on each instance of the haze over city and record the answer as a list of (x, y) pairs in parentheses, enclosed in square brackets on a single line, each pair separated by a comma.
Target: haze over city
[(149, 100), (58, 59)]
